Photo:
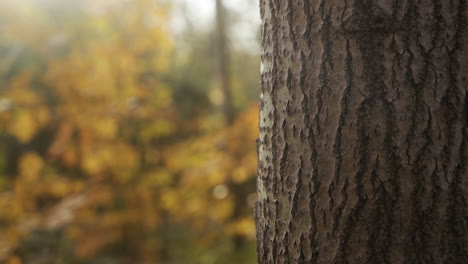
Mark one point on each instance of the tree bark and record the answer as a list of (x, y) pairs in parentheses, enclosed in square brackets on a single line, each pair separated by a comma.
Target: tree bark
[(363, 132)]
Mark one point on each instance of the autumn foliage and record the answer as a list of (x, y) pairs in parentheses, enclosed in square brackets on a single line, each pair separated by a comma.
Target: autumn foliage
[(100, 161)]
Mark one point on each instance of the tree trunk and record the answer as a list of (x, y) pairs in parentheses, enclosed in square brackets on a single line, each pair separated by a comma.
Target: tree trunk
[(224, 61), (363, 132)]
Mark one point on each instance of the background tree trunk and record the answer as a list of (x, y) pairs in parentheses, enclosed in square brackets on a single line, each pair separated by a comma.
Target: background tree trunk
[(224, 61), (363, 132)]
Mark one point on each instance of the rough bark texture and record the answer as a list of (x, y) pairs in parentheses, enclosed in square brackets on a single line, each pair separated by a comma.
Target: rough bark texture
[(363, 132)]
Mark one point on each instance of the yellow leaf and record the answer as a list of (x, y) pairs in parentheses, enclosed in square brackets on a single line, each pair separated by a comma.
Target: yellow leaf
[(30, 166), (23, 126), (244, 226), (42, 115), (240, 175)]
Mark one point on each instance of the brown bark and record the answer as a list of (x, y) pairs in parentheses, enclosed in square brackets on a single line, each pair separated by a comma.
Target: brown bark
[(363, 132)]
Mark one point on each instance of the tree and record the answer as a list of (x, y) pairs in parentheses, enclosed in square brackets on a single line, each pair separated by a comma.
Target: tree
[(223, 61), (363, 132), (109, 152)]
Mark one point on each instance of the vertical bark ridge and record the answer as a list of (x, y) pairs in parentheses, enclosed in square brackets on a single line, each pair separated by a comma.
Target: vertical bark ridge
[(338, 146)]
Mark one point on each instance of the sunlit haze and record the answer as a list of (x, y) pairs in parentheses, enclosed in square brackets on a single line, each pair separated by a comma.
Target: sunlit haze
[(201, 14)]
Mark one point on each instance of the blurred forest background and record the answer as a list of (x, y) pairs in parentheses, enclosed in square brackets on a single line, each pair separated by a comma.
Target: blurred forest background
[(127, 131)]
